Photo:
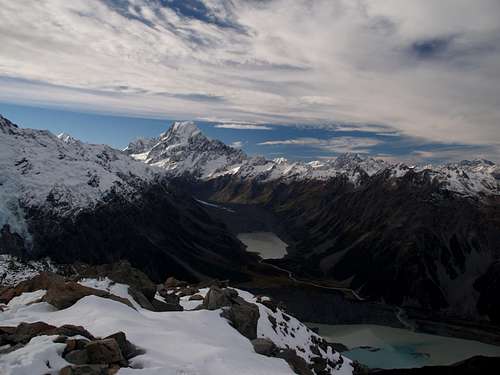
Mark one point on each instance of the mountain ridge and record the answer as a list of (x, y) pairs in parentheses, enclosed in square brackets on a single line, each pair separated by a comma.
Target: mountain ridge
[(190, 152)]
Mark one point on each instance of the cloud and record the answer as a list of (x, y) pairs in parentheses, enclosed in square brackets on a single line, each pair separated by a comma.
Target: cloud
[(337, 144), (243, 127), (423, 68), (237, 144)]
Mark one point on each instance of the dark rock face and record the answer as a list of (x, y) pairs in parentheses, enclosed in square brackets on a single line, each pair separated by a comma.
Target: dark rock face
[(242, 315), (160, 233), (488, 286), (264, 346), (395, 239)]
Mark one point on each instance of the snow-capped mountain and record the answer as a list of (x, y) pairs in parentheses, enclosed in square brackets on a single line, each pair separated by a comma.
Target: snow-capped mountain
[(70, 200), (184, 150), (60, 174)]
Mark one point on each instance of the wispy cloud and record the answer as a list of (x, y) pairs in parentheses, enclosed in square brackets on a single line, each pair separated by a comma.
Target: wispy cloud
[(243, 127), (428, 69), (337, 144), (237, 144)]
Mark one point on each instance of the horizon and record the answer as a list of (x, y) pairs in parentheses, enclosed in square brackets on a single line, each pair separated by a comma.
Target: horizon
[(266, 140)]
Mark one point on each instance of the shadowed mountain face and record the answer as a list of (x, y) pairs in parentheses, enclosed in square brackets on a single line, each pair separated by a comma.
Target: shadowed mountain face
[(403, 240), (79, 202), (415, 236)]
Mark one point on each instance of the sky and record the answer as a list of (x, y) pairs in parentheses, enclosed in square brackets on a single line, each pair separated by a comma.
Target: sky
[(415, 80)]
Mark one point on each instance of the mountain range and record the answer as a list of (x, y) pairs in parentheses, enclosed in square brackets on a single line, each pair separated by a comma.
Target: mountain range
[(417, 236)]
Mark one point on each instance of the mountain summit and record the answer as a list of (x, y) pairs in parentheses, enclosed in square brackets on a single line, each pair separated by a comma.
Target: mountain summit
[(183, 150)]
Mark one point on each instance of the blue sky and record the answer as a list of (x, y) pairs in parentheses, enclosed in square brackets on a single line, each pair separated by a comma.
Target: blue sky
[(299, 142), (414, 80)]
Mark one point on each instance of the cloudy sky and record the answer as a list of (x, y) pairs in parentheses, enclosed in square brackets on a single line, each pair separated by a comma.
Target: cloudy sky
[(414, 79)]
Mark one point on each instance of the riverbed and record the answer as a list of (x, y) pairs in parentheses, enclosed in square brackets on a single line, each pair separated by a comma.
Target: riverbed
[(385, 347)]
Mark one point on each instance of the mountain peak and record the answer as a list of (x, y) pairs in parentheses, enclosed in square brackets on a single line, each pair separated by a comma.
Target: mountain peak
[(66, 138), (5, 123), (183, 130)]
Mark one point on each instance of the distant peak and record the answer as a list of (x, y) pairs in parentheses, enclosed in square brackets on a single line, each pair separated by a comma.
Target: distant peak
[(183, 130), (66, 138), (6, 123)]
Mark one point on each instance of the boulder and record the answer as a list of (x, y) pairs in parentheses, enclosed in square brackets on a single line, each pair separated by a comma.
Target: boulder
[(196, 297), (122, 272), (217, 298), (60, 292), (187, 291), (128, 349), (298, 364), (106, 351), (264, 346), (85, 370), (74, 344), (77, 357), (243, 316), (169, 297), (163, 306), (24, 332), (172, 282)]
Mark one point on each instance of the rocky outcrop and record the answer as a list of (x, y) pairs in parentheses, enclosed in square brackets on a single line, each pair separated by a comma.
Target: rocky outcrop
[(87, 354), (60, 292)]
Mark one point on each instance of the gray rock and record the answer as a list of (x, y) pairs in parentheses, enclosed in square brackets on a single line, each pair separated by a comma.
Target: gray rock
[(77, 357), (217, 298), (106, 351), (243, 316), (264, 346)]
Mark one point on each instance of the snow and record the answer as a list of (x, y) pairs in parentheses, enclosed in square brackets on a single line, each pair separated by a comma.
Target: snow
[(61, 174), (183, 149), (26, 298), (13, 271), (187, 342), (40, 356)]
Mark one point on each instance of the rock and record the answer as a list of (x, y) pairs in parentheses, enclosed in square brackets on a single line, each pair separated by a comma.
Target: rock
[(196, 297), (172, 282), (128, 349), (162, 306), (71, 330), (60, 292), (106, 351), (140, 298), (85, 370), (264, 346), (217, 298), (243, 316), (338, 347), (188, 291), (169, 297), (74, 344), (77, 357), (298, 364), (319, 364)]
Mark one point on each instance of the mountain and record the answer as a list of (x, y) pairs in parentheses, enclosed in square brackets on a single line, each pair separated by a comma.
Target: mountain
[(73, 201), (414, 236), (184, 151)]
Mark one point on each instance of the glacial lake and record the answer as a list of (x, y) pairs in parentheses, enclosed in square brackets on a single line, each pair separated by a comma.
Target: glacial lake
[(266, 244), (385, 347)]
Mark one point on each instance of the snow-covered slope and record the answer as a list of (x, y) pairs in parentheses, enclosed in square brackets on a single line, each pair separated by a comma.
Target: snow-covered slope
[(184, 150), (62, 174), (185, 342)]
